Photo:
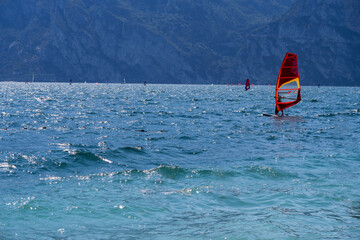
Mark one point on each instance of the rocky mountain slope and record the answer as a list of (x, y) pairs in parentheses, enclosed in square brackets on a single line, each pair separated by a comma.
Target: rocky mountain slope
[(324, 34), (178, 41)]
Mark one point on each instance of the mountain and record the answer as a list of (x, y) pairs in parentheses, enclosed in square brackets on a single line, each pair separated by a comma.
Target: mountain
[(178, 41), (324, 34)]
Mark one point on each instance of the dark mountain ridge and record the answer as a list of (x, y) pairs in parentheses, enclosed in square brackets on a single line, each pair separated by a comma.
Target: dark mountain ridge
[(325, 35), (178, 41)]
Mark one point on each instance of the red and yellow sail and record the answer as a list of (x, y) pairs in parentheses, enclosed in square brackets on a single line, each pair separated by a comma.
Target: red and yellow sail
[(288, 84)]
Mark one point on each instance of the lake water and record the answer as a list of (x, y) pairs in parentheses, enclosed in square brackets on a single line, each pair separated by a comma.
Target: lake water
[(112, 161)]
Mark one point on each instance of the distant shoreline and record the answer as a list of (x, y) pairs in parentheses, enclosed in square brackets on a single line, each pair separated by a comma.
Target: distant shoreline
[(139, 83)]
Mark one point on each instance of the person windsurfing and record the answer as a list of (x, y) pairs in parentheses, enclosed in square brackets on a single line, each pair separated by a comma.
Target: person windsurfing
[(287, 92), (276, 110), (247, 86)]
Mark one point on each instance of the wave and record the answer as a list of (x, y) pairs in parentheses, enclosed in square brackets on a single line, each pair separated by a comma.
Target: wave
[(355, 211), (131, 161), (176, 172), (71, 158), (137, 150), (82, 161), (59, 161), (352, 112), (169, 172), (157, 174), (268, 172), (7, 167)]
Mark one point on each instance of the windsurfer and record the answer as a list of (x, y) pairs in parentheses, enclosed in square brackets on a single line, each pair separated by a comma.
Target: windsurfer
[(247, 87), (288, 74), (276, 107), (277, 112)]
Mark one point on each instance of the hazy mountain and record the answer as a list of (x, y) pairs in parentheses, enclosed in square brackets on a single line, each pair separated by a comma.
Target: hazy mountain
[(324, 34), (178, 41)]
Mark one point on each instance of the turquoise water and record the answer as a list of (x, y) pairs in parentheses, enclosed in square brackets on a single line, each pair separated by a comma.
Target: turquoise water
[(111, 161)]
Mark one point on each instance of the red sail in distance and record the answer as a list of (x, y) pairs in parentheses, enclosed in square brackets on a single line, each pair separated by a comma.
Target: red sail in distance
[(247, 86), (288, 84)]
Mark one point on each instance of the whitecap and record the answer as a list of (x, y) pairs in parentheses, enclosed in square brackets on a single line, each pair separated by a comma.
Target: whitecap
[(104, 159), (6, 165)]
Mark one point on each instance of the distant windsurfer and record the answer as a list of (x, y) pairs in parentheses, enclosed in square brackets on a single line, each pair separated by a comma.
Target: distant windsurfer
[(145, 83), (70, 81), (247, 87)]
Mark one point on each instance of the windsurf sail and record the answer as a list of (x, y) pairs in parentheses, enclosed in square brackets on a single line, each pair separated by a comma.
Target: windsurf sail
[(247, 87), (288, 84)]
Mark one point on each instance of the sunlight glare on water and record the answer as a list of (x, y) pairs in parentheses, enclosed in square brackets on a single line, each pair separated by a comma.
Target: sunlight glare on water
[(130, 161)]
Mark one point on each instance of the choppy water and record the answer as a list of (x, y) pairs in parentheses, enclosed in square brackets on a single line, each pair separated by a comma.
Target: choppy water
[(113, 161)]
